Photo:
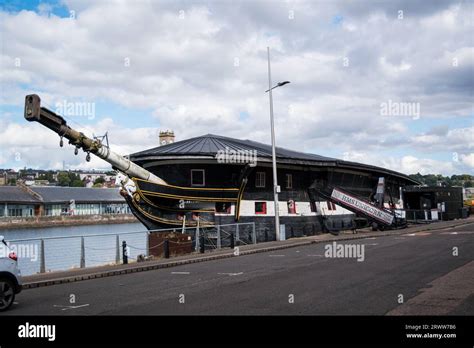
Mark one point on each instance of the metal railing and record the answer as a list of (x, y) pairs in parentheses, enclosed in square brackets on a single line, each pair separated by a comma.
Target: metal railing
[(422, 215), (221, 235), (27, 218), (48, 254)]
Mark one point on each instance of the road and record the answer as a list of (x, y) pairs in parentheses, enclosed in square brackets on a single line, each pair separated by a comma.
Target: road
[(292, 281)]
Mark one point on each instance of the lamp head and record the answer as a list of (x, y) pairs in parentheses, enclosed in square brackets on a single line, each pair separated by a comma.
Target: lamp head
[(282, 83)]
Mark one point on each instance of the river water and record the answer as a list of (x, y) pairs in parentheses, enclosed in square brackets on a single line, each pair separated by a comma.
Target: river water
[(62, 245)]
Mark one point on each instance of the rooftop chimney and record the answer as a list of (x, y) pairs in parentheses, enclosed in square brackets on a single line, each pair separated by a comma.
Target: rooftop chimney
[(166, 137)]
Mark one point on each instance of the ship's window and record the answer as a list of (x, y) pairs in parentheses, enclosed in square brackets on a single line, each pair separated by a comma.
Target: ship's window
[(223, 207), (197, 177), (289, 181), (331, 205), (260, 207), (260, 179)]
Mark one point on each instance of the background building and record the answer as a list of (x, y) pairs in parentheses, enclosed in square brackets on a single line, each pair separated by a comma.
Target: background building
[(17, 202), (22, 201)]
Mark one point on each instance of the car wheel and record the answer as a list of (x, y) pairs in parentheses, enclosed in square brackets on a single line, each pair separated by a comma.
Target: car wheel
[(7, 294)]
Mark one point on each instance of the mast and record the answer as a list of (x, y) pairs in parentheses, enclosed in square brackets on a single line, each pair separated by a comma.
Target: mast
[(34, 112)]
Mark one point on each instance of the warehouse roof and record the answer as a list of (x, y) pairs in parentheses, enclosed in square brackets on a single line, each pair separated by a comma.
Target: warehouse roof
[(56, 194), (15, 194)]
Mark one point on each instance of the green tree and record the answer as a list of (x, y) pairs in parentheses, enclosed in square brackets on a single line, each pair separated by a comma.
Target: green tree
[(47, 176), (64, 179), (431, 179), (465, 180), (75, 180), (99, 180), (77, 183), (418, 177)]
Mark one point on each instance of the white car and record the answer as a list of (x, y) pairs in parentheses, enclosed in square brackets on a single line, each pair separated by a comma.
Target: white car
[(10, 276)]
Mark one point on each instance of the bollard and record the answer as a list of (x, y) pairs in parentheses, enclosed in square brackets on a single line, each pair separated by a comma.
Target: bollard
[(232, 241), (42, 259), (201, 244), (147, 247), (83, 254), (166, 247), (117, 250), (266, 235), (124, 252)]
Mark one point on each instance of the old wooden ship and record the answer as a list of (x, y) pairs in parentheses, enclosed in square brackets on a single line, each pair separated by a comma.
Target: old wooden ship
[(211, 179)]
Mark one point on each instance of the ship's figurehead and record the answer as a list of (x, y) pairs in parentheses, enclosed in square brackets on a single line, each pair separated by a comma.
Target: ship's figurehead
[(127, 185)]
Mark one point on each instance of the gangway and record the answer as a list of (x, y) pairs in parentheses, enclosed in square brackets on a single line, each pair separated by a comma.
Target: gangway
[(380, 217)]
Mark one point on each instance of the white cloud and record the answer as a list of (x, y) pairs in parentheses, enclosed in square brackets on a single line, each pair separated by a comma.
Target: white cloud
[(199, 65), (455, 140), (34, 146), (412, 164), (468, 160), (447, 19), (406, 164)]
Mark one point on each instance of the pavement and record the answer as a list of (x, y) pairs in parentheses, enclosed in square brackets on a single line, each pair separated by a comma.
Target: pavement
[(73, 275), (421, 270)]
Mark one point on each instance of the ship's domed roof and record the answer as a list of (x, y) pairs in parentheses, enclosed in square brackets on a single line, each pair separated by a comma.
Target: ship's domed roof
[(208, 146)]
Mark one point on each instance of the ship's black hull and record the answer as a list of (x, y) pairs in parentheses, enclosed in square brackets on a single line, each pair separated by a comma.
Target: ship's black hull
[(245, 190), (295, 226)]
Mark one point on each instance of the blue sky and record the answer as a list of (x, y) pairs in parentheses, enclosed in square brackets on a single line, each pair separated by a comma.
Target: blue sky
[(58, 8), (200, 67)]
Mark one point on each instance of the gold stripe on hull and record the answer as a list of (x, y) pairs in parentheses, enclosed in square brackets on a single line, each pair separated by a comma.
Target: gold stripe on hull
[(168, 221), (145, 196)]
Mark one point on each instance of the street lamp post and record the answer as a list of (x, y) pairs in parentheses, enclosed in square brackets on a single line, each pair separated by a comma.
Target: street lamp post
[(275, 180)]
